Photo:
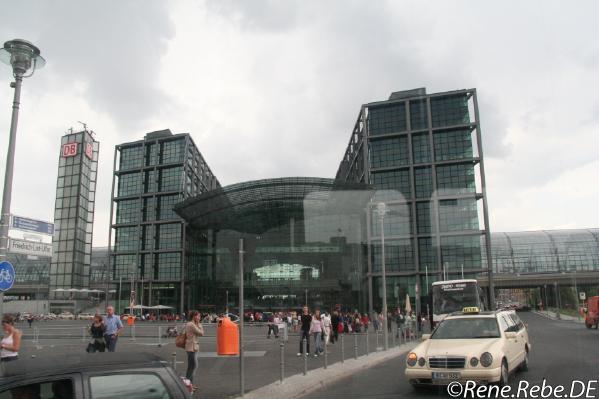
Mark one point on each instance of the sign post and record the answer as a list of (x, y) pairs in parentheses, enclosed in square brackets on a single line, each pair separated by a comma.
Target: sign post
[(7, 279)]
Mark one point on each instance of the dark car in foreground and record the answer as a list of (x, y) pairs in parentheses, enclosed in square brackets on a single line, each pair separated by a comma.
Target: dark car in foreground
[(98, 376)]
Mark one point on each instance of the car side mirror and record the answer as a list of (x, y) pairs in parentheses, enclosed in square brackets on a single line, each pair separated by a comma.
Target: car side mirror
[(425, 336), (510, 335)]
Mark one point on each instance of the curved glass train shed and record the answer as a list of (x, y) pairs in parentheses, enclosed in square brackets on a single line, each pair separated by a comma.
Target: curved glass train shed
[(302, 240), (545, 251)]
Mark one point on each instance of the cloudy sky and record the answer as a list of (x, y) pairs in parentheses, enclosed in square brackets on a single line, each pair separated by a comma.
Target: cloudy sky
[(272, 88)]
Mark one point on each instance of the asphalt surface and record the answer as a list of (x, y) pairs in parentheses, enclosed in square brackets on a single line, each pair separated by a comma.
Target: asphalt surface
[(217, 376), (562, 352)]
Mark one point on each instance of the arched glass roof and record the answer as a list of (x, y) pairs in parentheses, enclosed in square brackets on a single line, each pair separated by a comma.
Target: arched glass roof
[(256, 206), (545, 251)]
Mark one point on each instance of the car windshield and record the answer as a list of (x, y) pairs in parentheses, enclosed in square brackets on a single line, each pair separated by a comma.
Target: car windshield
[(467, 328)]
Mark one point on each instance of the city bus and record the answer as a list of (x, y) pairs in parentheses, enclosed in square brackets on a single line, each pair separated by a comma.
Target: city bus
[(454, 295)]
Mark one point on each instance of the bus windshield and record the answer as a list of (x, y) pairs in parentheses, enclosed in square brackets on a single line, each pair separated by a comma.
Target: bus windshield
[(453, 297)]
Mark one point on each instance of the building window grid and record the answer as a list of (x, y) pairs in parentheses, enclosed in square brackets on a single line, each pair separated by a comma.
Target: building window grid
[(455, 179), (169, 266), (449, 111), (169, 236), (399, 256), (423, 217), (166, 207), (395, 180), (131, 157), (423, 182), (127, 211), (453, 145), (421, 148), (389, 152), (170, 179), (458, 214), (387, 119), (458, 251), (427, 254), (126, 239), (129, 184), (418, 115), (172, 151)]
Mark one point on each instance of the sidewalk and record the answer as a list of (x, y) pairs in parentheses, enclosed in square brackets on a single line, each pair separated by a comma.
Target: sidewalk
[(553, 316), (300, 385)]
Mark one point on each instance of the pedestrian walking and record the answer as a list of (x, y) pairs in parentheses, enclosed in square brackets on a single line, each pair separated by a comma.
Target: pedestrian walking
[(97, 330), (316, 330), (305, 321), (400, 320), (11, 342), (114, 325), (30, 320), (193, 332), (328, 325), (335, 322)]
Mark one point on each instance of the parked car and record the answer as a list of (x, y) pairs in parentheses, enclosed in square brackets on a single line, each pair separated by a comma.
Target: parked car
[(81, 376), (85, 316), (66, 316)]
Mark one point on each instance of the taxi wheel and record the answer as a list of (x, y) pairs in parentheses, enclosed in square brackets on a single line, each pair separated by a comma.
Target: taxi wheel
[(505, 376), (524, 365)]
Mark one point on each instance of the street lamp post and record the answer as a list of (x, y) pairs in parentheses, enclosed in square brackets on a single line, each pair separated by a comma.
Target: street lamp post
[(382, 210), (22, 56)]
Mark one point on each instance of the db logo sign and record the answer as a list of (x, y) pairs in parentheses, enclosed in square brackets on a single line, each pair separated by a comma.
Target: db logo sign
[(69, 150), (89, 150)]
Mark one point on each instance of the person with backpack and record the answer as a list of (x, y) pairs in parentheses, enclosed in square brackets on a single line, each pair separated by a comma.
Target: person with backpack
[(193, 332), (400, 320)]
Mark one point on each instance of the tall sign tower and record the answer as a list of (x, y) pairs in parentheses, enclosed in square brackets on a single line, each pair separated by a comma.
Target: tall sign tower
[(73, 218)]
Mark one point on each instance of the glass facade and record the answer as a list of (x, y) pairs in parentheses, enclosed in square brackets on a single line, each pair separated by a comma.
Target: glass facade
[(148, 240), (74, 213), (422, 157), (303, 241)]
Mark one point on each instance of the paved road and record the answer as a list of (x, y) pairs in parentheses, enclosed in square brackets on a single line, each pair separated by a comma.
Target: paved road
[(562, 351), (218, 377)]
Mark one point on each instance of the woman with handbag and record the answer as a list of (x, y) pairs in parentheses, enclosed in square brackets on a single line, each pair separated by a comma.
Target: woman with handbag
[(193, 332), (97, 329)]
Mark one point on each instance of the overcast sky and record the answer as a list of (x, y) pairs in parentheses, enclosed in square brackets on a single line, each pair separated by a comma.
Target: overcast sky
[(273, 88)]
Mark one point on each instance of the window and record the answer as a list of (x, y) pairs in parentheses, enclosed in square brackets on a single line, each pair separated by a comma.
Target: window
[(169, 266), (398, 180), (389, 152), (449, 111), (455, 179), (421, 148), (453, 144), (166, 205), (172, 151), (44, 390), (387, 119), (418, 115), (171, 179), (423, 182), (131, 157), (127, 211), (147, 386), (129, 184), (169, 236)]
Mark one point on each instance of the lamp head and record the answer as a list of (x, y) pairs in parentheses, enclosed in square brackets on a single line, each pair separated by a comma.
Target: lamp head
[(22, 56)]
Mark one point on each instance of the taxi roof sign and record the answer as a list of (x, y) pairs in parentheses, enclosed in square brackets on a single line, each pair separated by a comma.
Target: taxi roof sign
[(471, 309)]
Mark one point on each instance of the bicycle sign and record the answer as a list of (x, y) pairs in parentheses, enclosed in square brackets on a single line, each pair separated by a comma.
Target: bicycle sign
[(7, 276)]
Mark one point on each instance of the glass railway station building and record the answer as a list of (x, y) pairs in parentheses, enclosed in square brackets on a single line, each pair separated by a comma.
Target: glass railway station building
[(175, 230)]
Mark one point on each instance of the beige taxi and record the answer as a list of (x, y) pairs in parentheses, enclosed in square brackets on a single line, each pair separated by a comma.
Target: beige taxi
[(485, 347)]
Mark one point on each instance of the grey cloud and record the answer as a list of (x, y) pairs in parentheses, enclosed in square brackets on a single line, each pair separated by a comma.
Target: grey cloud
[(113, 48)]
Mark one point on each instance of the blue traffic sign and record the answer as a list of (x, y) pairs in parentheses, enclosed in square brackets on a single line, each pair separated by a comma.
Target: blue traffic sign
[(7, 276)]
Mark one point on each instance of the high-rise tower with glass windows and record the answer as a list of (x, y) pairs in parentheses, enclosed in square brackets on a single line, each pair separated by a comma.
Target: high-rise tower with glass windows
[(423, 154), (73, 217), (147, 238)]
